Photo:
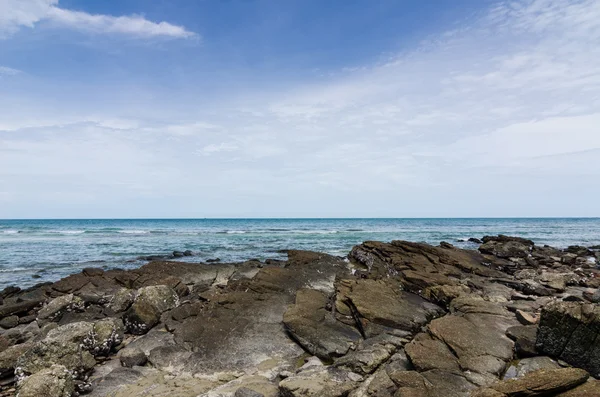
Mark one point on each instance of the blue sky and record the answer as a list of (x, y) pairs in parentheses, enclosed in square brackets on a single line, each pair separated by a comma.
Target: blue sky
[(299, 108)]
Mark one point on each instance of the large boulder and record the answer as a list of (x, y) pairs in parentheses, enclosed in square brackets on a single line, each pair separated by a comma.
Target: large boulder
[(506, 247), (149, 304), (55, 381), (571, 331)]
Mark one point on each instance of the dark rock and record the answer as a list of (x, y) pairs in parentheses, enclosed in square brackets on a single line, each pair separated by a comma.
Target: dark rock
[(588, 389), (57, 307), (524, 337), (92, 271), (475, 240), (188, 253), (9, 357), (579, 250), (215, 260), (506, 247), (569, 331), (178, 254), (18, 308)]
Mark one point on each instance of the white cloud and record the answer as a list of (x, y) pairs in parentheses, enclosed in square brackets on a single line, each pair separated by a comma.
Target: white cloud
[(15, 14)]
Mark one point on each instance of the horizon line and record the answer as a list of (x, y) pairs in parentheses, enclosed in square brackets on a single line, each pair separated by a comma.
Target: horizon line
[(300, 218)]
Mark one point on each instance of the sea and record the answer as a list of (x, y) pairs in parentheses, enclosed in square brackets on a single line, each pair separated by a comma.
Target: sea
[(36, 251)]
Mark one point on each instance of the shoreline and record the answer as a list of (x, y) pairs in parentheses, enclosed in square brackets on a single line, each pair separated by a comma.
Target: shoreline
[(389, 318)]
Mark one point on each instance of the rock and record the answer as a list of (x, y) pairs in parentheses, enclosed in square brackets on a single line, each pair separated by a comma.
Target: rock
[(315, 328), (105, 336), (522, 367), (133, 357), (188, 253), (57, 307), (9, 322), (19, 307), (318, 382), (569, 331), (526, 318), (506, 247), (245, 392), (588, 389), (382, 303), (9, 357), (593, 296), (426, 353), (64, 346), (475, 240), (525, 338), (545, 382), (55, 381), (178, 254), (149, 304), (370, 354), (122, 300)]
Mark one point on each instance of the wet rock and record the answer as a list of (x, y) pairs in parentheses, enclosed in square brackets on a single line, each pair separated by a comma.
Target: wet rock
[(522, 367), (178, 254), (546, 382), (475, 240), (149, 304), (7, 309), (133, 357), (55, 381), (569, 331), (57, 307), (316, 329)]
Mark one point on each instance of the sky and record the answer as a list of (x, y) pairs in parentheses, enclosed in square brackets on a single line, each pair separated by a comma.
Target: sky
[(299, 108)]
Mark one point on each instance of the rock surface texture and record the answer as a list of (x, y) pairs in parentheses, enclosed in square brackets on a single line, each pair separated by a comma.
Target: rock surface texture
[(397, 319)]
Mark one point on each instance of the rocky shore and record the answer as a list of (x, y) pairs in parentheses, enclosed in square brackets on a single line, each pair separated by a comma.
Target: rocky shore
[(395, 319)]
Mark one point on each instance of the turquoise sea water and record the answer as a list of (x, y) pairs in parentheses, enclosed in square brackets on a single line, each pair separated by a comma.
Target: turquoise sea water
[(33, 251)]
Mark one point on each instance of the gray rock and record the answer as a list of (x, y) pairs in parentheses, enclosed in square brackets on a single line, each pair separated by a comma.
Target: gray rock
[(9, 357), (315, 328), (55, 381), (122, 300), (9, 322), (149, 304), (57, 307), (246, 392), (132, 357)]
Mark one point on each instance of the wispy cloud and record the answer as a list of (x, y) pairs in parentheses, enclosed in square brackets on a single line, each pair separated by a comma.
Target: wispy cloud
[(5, 70), (15, 14)]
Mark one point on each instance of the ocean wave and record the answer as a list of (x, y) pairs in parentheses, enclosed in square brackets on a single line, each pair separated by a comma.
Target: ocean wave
[(66, 231), (11, 231), (133, 231)]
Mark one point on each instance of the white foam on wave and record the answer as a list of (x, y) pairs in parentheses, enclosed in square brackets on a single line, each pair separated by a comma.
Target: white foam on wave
[(236, 232), (133, 231), (10, 232)]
